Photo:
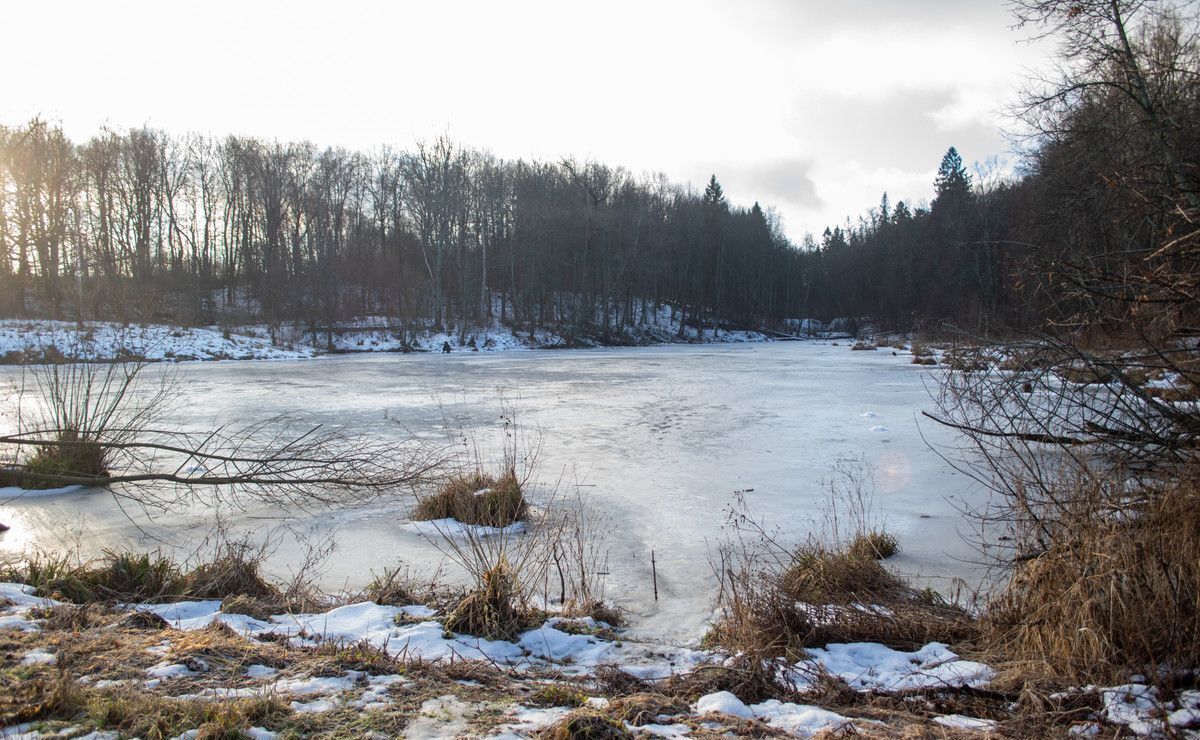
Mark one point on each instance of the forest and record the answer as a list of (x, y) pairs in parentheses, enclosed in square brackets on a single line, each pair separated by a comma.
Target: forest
[(143, 225)]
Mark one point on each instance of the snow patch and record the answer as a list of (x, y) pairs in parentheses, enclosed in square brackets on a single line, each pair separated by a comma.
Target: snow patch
[(869, 666), (453, 529)]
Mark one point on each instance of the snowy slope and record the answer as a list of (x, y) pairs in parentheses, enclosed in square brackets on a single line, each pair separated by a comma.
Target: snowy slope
[(98, 340)]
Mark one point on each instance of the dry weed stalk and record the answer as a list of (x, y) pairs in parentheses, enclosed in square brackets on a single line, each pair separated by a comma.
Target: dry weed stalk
[(560, 541)]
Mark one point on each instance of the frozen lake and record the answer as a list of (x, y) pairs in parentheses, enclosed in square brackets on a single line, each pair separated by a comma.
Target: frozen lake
[(660, 436)]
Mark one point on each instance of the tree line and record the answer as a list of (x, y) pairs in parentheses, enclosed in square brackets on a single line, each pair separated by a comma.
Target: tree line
[(143, 225), (1096, 229)]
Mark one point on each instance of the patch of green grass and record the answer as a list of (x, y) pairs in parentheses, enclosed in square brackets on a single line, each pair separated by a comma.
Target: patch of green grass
[(558, 695)]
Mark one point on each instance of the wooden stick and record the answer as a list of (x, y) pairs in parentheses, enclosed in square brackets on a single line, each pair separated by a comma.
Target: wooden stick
[(654, 574)]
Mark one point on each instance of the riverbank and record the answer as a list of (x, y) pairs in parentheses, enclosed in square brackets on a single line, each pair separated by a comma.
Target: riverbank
[(34, 341), (217, 668)]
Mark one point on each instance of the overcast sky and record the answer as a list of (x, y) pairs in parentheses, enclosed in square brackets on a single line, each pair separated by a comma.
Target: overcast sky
[(813, 107)]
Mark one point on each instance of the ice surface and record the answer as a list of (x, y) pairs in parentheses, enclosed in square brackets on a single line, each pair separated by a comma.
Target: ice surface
[(13, 492), (661, 437)]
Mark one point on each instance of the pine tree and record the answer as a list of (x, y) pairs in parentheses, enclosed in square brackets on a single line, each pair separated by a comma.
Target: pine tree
[(713, 195), (953, 183)]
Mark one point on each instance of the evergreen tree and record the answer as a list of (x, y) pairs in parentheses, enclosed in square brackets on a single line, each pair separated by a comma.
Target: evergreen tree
[(953, 183), (713, 195)]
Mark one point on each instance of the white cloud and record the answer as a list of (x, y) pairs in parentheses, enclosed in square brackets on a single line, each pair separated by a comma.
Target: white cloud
[(751, 90)]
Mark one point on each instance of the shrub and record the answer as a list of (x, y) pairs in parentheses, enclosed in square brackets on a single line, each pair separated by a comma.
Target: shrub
[(493, 610), (476, 498), (1113, 593)]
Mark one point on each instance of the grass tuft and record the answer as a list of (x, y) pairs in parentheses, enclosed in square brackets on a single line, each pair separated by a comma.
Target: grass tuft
[(558, 695), (646, 708), (77, 456), (824, 596), (585, 724), (493, 610), (876, 545), (476, 498)]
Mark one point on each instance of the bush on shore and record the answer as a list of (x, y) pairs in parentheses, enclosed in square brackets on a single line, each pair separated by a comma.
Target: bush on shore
[(819, 595), (1115, 593)]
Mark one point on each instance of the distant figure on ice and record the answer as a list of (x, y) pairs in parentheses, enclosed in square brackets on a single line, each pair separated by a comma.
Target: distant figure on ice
[(445, 348)]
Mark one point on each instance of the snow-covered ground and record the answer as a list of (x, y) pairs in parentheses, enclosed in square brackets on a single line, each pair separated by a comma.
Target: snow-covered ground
[(156, 342), (563, 648), (378, 334), (32, 340), (414, 633)]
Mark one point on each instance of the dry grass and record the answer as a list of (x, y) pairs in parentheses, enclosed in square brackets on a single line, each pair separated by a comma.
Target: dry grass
[(235, 570), (128, 577), (493, 610), (1185, 392), (76, 457), (924, 361), (876, 545), (585, 724), (862, 346), (558, 695), (750, 677), (1116, 592), (133, 713), (476, 498), (1083, 374), (392, 587), (250, 606), (646, 708), (966, 361), (823, 596)]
